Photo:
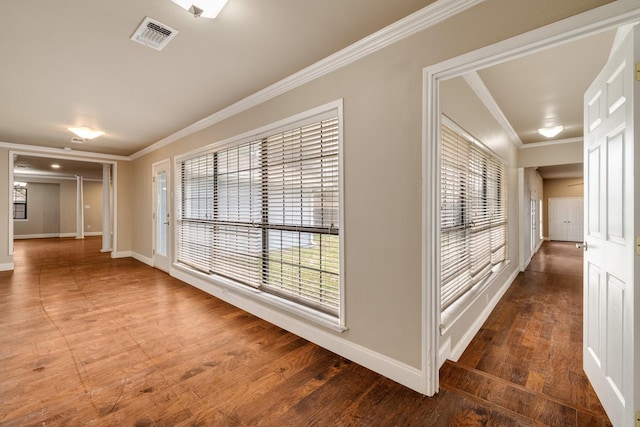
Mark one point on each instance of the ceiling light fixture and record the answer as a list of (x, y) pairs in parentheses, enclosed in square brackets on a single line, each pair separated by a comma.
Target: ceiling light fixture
[(550, 132), (55, 166), (202, 8), (86, 133)]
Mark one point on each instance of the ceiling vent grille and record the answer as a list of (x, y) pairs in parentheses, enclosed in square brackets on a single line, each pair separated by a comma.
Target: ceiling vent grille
[(153, 34)]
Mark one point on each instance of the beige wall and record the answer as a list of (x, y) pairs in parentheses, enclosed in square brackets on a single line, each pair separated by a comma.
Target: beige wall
[(92, 196), (125, 187), (569, 187), (550, 155), (68, 208), (43, 212)]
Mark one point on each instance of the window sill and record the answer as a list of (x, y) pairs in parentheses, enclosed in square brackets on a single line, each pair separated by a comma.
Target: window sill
[(223, 285), (451, 314)]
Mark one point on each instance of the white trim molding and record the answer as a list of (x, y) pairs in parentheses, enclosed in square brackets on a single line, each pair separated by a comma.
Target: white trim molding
[(477, 85), (555, 142), (8, 266), (135, 255), (38, 236), (56, 153)]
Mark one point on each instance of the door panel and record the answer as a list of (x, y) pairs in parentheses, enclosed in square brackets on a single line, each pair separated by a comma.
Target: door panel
[(609, 262), (593, 196), (615, 183)]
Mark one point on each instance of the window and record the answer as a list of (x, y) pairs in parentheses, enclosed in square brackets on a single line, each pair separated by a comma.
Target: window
[(20, 202), (265, 213), (473, 213)]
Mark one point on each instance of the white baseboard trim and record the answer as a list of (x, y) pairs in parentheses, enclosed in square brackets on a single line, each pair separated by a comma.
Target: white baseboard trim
[(36, 236), (395, 370), (121, 254), (7, 266), (143, 259), (93, 233), (67, 235)]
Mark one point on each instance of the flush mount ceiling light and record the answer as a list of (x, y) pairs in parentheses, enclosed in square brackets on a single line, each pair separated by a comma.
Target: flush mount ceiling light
[(86, 133), (550, 132), (202, 8)]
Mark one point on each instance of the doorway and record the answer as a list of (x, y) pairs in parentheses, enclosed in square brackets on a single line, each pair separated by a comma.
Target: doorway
[(606, 18), (74, 179), (161, 216), (566, 219)]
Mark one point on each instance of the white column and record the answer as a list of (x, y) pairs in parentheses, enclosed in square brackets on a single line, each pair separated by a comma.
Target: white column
[(106, 208), (79, 208)]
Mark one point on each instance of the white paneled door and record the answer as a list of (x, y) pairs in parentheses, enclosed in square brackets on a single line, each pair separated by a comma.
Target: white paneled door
[(161, 216), (566, 218), (611, 224)]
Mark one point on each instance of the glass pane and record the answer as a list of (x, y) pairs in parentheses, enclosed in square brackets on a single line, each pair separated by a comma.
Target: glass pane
[(162, 216)]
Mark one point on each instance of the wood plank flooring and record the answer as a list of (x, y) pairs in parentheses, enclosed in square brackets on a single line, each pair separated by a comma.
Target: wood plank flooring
[(86, 340)]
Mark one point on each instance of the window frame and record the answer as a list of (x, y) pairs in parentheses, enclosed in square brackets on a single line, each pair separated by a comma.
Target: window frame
[(20, 203), (483, 276), (335, 320)]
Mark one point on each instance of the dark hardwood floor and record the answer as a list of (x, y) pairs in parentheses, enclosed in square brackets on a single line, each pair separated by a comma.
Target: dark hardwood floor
[(86, 340)]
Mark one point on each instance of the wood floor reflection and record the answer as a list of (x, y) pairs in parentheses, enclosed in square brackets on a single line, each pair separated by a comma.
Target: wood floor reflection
[(86, 340)]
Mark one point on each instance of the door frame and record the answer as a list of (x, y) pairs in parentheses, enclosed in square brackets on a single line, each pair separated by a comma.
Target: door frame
[(154, 234), (609, 16)]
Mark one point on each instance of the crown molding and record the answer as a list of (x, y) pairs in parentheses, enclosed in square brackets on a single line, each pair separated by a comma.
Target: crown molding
[(479, 88), (61, 153), (408, 26), (555, 142), (603, 18)]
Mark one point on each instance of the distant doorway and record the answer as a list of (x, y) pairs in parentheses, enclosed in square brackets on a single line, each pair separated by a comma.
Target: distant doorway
[(161, 216), (566, 219)]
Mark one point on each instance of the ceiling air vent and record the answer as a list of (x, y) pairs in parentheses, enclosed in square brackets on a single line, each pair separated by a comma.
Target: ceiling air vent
[(153, 34)]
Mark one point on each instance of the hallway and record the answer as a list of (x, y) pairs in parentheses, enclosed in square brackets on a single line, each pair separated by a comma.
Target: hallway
[(86, 340), (527, 357)]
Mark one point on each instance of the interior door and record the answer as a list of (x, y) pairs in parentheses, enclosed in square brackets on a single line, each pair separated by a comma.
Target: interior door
[(575, 219), (161, 216), (557, 221), (611, 190)]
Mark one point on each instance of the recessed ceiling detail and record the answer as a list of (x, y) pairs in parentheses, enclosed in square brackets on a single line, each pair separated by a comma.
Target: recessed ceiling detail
[(153, 34)]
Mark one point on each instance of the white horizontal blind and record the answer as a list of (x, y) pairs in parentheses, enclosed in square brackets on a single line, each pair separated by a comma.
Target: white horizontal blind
[(473, 215), (266, 214)]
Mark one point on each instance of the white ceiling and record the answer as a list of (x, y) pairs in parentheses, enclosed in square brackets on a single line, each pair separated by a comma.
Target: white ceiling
[(546, 88), (72, 63)]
